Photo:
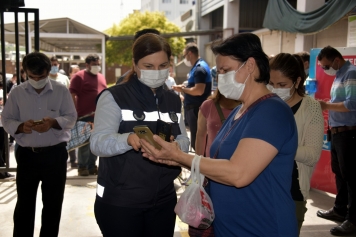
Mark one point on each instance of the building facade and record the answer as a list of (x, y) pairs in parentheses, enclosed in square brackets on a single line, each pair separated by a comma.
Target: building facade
[(171, 8)]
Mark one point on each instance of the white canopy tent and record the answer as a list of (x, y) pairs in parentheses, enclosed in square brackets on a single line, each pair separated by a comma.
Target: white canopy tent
[(65, 38)]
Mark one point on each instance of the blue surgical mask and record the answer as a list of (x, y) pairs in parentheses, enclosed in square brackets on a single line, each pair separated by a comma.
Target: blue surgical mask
[(54, 70)]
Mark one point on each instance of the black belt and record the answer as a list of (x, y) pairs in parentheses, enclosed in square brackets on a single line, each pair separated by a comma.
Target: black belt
[(342, 129), (188, 107), (46, 148)]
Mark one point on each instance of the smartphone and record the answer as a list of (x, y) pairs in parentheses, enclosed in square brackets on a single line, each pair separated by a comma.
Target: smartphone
[(163, 130), (144, 132), (38, 122)]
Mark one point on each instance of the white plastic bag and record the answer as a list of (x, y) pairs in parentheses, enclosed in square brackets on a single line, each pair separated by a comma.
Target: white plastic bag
[(194, 206)]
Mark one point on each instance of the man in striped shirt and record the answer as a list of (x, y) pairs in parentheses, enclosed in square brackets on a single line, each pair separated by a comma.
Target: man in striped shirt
[(342, 120)]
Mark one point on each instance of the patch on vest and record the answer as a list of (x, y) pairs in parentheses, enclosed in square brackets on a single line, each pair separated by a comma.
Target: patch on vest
[(173, 117), (139, 115)]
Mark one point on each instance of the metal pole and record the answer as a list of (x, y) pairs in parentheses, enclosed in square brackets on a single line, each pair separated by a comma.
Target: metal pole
[(27, 39), (37, 30), (17, 63)]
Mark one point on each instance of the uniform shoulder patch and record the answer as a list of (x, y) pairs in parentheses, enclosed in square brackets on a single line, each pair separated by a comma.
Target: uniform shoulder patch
[(173, 116)]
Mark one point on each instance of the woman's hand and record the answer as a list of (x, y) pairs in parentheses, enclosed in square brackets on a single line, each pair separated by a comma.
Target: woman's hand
[(134, 141), (168, 154)]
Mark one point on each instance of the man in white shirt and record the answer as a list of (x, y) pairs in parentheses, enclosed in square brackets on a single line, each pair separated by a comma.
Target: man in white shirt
[(54, 75)]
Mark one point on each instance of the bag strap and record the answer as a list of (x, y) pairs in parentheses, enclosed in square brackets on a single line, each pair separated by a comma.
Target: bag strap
[(218, 108)]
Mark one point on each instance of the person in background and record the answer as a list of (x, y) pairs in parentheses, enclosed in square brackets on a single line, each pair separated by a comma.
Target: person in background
[(3, 175), (287, 79), (342, 120), (136, 197), (42, 134), (198, 88), (54, 73), (23, 75), (9, 86), (73, 69), (85, 86), (136, 36), (170, 80), (306, 61), (212, 114), (251, 174), (11, 83)]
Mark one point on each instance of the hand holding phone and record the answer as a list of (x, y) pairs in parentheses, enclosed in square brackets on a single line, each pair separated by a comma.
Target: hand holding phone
[(144, 132), (38, 122)]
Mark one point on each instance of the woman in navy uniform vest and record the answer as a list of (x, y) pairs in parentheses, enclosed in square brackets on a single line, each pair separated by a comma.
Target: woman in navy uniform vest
[(136, 197)]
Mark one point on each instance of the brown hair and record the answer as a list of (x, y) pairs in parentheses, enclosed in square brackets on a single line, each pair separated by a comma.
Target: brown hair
[(145, 45), (192, 47), (290, 66)]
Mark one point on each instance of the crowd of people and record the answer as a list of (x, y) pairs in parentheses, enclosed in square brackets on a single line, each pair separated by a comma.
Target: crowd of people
[(260, 102)]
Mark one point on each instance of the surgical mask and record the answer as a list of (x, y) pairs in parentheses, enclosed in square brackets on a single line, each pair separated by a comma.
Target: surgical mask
[(95, 69), (38, 84), (54, 70), (230, 88), (187, 63), (154, 78), (306, 71), (331, 71), (283, 93)]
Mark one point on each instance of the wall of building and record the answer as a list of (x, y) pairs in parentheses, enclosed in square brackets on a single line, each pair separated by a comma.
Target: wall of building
[(171, 8), (273, 42)]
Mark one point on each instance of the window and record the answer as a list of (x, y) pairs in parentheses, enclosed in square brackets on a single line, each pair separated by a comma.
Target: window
[(183, 1), (166, 1), (167, 13)]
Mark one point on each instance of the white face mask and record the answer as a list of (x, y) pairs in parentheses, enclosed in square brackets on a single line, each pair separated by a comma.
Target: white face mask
[(306, 71), (283, 93), (38, 84), (154, 78), (187, 63), (95, 69), (230, 88), (331, 71)]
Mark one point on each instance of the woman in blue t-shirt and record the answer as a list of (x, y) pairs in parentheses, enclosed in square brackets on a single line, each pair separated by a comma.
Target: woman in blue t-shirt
[(254, 149)]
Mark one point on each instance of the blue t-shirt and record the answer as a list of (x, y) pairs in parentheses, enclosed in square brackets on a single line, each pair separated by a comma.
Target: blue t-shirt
[(265, 207), (200, 73)]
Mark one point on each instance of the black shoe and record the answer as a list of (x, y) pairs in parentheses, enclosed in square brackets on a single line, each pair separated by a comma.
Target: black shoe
[(345, 229), (94, 171), (330, 215), (6, 175)]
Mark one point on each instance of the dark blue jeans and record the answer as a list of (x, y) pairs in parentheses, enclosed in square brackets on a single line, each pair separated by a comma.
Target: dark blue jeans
[(343, 164)]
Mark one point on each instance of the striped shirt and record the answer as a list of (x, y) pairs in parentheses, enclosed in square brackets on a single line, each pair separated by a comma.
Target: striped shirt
[(344, 90)]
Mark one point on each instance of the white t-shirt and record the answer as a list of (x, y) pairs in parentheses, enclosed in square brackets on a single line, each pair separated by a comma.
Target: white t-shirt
[(60, 78)]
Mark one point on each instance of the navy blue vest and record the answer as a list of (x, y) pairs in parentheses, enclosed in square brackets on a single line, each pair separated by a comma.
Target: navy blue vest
[(130, 180)]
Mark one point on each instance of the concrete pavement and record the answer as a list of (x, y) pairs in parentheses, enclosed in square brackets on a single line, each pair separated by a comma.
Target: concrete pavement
[(78, 209)]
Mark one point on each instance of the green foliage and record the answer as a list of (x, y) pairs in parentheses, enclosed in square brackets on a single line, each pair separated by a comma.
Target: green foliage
[(121, 51)]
